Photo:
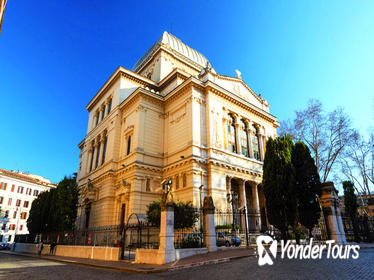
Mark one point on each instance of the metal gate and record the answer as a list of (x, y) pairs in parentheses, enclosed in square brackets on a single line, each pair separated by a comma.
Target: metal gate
[(137, 233)]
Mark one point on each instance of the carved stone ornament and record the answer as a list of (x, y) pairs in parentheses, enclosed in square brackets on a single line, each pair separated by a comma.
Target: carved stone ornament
[(208, 205)]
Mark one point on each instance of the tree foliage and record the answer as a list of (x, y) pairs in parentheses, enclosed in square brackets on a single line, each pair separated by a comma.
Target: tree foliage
[(55, 210), (184, 214), (326, 134), (350, 199), (278, 182), (307, 186), (351, 205), (357, 162)]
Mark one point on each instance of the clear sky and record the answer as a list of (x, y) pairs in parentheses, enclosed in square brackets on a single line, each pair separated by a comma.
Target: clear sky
[(55, 55)]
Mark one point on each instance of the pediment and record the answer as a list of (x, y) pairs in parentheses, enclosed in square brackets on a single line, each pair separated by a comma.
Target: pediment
[(241, 89)]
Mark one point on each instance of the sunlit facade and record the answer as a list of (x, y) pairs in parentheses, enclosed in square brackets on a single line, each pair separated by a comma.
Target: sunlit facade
[(172, 117)]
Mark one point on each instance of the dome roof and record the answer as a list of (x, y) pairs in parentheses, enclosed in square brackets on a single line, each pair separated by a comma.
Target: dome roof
[(177, 46)]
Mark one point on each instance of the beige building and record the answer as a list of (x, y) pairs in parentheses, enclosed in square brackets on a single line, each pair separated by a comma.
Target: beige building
[(172, 117)]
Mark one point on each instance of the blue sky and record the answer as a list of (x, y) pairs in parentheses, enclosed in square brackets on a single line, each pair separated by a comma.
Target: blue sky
[(55, 55)]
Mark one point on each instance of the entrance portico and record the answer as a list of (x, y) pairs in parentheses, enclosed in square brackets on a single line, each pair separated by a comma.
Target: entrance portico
[(243, 198)]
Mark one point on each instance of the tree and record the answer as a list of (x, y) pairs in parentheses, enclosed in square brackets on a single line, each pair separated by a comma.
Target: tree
[(278, 182), (184, 214), (307, 186), (55, 210), (358, 161), (351, 205), (326, 134)]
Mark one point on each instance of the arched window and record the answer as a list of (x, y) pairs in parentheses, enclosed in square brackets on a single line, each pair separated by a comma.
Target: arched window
[(97, 155), (231, 134), (177, 182), (104, 149), (109, 105), (92, 157), (128, 145), (184, 180), (255, 144), (244, 139)]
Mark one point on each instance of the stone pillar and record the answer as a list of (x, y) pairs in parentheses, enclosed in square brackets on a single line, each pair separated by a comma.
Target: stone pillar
[(209, 224), (166, 250), (331, 211), (237, 138), (261, 144), (249, 137), (243, 203), (237, 135), (340, 223), (256, 208), (229, 194)]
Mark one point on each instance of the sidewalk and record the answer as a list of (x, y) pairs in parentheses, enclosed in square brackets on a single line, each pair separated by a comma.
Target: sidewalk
[(220, 256)]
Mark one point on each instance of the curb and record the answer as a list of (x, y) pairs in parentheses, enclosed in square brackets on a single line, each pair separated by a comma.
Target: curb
[(134, 270)]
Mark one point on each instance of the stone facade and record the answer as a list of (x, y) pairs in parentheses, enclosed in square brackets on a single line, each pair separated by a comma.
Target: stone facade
[(172, 117)]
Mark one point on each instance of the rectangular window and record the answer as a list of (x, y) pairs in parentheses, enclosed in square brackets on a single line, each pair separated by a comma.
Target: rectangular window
[(21, 227), (18, 202), (10, 201), (3, 186), (12, 227), (97, 118), (6, 214), (14, 214), (13, 187), (110, 105), (104, 150), (1, 199), (36, 192), (128, 145), (26, 204), (97, 155), (103, 113), (23, 215), (21, 189), (92, 157)]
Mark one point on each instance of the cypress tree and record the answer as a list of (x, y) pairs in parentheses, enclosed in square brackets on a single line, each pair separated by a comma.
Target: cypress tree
[(278, 181), (307, 186)]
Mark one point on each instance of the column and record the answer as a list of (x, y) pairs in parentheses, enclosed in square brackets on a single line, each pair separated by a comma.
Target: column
[(209, 225), (249, 137), (166, 251), (256, 206), (261, 144), (229, 218), (340, 223), (243, 206), (237, 134)]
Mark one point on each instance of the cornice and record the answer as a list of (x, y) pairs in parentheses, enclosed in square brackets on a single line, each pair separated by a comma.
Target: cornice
[(216, 89), (119, 72)]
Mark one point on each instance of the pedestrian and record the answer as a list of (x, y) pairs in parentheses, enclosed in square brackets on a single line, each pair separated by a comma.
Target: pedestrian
[(40, 249), (52, 248)]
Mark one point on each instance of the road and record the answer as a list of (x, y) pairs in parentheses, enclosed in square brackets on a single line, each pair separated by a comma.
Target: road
[(19, 267)]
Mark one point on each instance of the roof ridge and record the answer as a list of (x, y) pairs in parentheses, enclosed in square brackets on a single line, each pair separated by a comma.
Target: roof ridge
[(176, 45)]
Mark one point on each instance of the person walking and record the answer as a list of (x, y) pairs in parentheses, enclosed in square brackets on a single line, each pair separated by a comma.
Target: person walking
[(40, 249), (52, 248)]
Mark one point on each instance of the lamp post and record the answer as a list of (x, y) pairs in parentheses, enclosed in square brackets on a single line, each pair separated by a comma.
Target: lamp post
[(16, 231), (232, 198)]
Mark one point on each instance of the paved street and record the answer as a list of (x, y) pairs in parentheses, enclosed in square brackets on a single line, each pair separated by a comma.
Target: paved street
[(18, 267)]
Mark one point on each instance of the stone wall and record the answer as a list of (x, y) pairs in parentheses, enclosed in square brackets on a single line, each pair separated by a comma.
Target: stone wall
[(86, 252)]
